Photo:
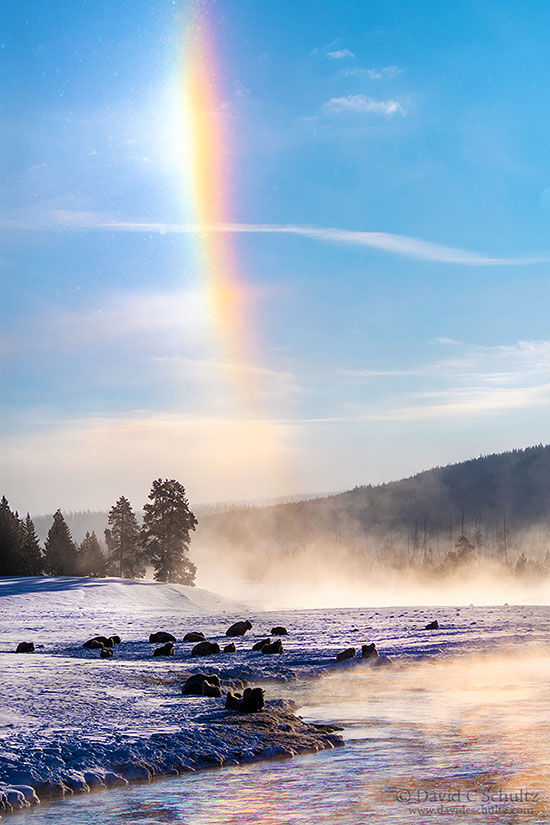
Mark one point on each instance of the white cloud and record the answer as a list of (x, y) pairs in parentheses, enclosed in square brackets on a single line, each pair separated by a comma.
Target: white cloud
[(260, 383), (496, 379), (165, 317), (341, 54), (416, 248), (374, 74), (503, 363), (361, 104), (380, 373), (162, 340), (444, 340), (469, 401)]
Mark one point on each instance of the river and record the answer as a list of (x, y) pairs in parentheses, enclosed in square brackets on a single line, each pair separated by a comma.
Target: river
[(457, 739)]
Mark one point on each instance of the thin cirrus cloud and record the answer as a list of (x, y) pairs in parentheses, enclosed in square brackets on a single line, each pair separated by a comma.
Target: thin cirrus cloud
[(265, 381), (341, 54), (521, 363), (403, 245), (490, 379), (473, 401), (170, 317), (361, 104), (386, 72), (451, 402)]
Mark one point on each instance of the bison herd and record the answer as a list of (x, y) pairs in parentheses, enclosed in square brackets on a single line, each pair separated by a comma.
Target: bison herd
[(204, 647)]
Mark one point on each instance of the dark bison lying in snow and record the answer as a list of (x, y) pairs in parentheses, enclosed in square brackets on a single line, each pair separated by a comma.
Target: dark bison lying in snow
[(238, 629), (161, 637), (348, 653), (202, 684), (101, 641), (165, 650), (251, 701), (194, 636), (205, 649), (273, 647)]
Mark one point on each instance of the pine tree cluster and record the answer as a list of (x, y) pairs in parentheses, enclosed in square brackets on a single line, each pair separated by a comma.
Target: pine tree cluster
[(22, 555), (161, 542)]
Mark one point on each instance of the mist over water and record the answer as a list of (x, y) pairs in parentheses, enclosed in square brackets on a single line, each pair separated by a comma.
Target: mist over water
[(474, 532), (475, 726), (344, 582)]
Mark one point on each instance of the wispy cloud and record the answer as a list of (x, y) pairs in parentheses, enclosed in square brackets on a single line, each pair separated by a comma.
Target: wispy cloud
[(415, 248), (167, 317), (361, 104), (265, 381), (487, 364), (466, 401), (480, 380), (381, 373), (443, 340), (341, 54), (374, 74)]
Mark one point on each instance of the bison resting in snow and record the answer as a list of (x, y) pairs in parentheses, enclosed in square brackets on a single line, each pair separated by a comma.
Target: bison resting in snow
[(238, 629)]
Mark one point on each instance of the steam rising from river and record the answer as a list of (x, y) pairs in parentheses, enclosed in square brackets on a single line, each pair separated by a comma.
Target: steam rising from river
[(325, 578), (473, 725)]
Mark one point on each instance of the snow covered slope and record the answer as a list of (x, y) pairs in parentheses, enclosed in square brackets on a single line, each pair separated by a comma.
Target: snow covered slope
[(61, 594)]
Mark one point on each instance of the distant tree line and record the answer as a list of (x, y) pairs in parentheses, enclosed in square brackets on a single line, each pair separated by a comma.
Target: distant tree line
[(162, 541), (463, 553), (497, 503)]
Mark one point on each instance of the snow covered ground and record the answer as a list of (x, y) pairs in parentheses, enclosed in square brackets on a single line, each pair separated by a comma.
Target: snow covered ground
[(71, 721)]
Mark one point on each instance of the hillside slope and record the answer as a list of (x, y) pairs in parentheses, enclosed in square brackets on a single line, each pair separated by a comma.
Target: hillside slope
[(493, 496)]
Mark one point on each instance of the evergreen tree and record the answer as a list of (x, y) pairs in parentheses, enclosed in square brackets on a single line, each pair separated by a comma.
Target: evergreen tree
[(91, 559), (167, 524), (31, 557), (465, 550), (123, 542), (60, 556), (521, 565), (11, 540)]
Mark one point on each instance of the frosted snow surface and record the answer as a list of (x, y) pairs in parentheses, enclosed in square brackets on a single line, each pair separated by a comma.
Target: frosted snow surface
[(72, 721)]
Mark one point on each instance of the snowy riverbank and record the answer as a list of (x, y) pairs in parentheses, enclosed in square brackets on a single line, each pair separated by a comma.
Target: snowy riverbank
[(71, 721)]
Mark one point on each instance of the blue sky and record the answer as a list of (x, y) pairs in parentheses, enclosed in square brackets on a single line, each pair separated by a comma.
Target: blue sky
[(415, 335)]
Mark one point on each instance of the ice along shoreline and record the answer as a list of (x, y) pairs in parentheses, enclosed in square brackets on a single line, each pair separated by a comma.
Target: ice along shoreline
[(231, 739)]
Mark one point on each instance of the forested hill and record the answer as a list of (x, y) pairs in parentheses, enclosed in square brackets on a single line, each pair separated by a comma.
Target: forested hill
[(510, 488), (515, 485), (489, 496)]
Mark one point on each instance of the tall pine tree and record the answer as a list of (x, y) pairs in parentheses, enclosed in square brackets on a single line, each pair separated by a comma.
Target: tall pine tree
[(167, 525), (11, 540), (123, 542), (91, 559), (31, 557), (60, 556)]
